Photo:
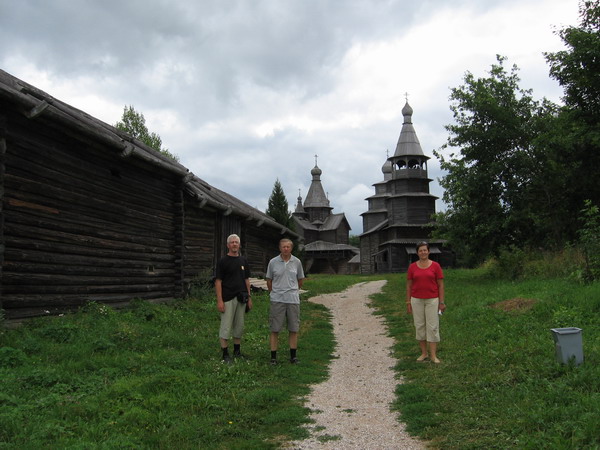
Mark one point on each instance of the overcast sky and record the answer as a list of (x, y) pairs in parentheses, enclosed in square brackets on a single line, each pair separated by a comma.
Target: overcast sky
[(248, 91)]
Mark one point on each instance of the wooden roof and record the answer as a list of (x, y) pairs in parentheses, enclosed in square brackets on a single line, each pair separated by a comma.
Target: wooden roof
[(408, 142), (323, 246), (37, 104)]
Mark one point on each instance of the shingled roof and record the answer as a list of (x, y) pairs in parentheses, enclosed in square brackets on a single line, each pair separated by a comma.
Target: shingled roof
[(408, 142)]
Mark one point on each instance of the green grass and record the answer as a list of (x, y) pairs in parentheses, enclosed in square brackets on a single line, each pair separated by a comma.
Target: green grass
[(499, 384), (151, 376)]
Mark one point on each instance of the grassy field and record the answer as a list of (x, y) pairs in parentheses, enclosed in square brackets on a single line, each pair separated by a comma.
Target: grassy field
[(499, 385), (151, 376)]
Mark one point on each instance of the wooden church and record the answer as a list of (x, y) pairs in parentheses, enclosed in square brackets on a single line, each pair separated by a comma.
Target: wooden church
[(400, 213), (325, 234)]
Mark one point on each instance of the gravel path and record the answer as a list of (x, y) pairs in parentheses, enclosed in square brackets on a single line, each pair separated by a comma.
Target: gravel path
[(352, 408)]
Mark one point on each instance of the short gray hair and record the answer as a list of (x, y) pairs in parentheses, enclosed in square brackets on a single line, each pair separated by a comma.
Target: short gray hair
[(231, 237)]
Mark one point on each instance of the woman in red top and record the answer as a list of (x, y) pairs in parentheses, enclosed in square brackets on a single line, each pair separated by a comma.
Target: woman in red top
[(424, 298)]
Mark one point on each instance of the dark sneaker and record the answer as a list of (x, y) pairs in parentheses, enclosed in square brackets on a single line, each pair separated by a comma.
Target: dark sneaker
[(294, 360), (239, 356), (227, 359), (273, 362)]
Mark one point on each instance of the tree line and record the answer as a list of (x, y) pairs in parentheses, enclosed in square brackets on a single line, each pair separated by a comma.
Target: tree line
[(520, 172)]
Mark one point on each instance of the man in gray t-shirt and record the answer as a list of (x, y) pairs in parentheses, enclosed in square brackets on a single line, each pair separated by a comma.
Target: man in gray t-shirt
[(284, 281)]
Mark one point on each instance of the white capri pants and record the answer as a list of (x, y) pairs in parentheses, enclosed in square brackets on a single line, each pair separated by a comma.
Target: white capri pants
[(426, 318)]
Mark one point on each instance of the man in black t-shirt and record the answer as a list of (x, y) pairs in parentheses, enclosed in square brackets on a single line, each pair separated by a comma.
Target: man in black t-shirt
[(232, 282)]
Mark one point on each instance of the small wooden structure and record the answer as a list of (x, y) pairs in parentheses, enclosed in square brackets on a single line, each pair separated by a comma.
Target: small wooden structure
[(326, 235), (88, 213)]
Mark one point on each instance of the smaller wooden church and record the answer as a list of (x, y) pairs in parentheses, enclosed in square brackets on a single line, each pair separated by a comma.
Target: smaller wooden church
[(400, 212), (326, 235)]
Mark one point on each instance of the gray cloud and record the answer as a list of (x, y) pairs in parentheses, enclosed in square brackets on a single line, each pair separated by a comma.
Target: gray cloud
[(247, 92)]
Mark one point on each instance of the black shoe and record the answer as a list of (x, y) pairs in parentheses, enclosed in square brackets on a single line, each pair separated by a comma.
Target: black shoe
[(239, 356), (294, 360), (227, 359), (274, 362)]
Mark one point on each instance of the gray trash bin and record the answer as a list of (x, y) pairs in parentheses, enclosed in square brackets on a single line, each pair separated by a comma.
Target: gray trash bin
[(569, 344)]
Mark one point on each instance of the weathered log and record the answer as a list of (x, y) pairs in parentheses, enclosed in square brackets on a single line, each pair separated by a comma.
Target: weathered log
[(126, 236), (54, 258), (84, 288), (60, 248), (81, 240), (102, 173), (70, 269), (61, 199)]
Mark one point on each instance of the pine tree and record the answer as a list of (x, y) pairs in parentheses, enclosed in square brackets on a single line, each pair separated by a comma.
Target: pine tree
[(278, 207)]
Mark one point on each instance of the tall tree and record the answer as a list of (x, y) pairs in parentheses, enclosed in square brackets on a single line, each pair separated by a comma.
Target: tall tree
[(491, 168), (522, 169), (134, 123), (278, 207), (577, 70)]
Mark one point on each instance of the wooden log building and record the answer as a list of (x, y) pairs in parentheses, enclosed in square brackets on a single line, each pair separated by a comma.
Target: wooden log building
[(401, 212), (326, 235), (88, 213)]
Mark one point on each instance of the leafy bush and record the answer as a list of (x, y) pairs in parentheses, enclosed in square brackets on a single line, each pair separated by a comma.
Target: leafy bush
[(143, 309), (11, 357), (548, 265), (59, 332), (589, 238), (514, 263), (564, 316), (98, 309), (509, 264), (203, 285)]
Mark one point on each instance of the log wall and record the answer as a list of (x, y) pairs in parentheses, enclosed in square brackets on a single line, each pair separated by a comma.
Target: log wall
[(87, 213), (260, 245), (2, 166), (80, 226), (200, 241)]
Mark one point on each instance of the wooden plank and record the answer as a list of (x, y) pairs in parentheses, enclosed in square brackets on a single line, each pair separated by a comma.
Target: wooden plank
[(61, 238), (125, 236), (142, 270), (2, 174), (28, 289), (83, 250), (61, 199)]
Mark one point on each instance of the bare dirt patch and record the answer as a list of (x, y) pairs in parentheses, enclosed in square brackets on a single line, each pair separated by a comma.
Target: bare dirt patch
[(517, 304)]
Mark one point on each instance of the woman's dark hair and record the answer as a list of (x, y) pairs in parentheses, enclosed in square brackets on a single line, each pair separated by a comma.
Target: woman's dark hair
[(421, 244)]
